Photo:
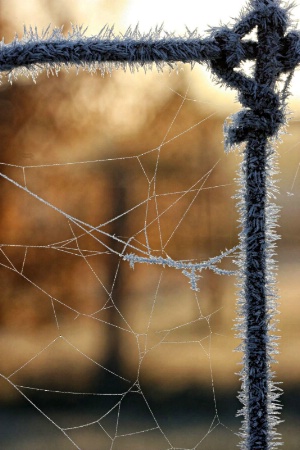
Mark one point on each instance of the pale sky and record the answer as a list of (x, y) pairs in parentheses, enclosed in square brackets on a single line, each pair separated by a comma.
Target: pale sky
[(176, 14), (123, 13)]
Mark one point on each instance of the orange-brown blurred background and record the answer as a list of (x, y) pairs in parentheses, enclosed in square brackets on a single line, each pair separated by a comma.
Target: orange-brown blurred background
[(113, 119)]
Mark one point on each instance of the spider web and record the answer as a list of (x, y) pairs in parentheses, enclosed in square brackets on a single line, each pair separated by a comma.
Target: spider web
[(111, 301)]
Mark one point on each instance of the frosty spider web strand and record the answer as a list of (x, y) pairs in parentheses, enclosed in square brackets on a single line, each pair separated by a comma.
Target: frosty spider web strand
[(188, 269), (53, 299), (64, 430), (39, 410), (153, 180), (62, 244), (74, 241)]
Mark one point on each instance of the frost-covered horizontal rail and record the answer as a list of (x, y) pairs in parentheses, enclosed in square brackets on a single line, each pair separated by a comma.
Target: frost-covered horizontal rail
[(143, 50), (91, 50), (222, 47)]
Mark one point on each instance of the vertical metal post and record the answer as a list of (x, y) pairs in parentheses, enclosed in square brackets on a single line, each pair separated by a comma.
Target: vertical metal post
[(257, 237), (256, 365)]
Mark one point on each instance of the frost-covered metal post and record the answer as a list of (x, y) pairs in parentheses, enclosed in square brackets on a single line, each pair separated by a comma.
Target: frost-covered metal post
[(257, 125), (258, 216), (257, 235)]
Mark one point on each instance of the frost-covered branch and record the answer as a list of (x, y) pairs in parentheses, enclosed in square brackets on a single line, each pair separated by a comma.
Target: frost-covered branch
[(189, 269)]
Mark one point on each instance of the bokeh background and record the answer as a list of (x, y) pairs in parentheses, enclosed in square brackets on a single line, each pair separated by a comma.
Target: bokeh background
[(73, 117)]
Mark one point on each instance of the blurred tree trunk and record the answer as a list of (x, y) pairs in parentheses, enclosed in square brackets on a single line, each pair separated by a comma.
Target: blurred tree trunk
[(115, 268)]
